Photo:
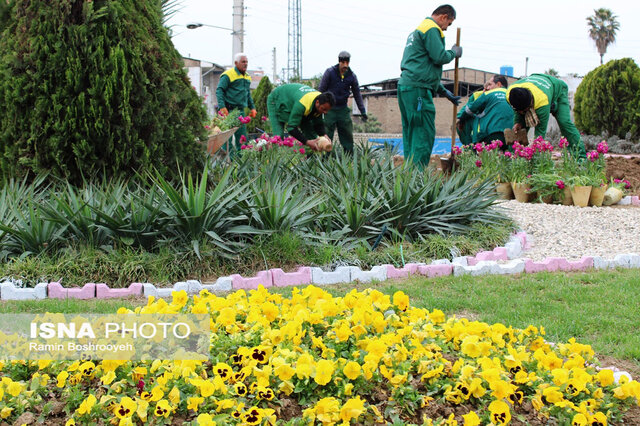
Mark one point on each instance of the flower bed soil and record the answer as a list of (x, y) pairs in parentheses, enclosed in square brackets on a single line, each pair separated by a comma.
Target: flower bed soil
[(625, 168)]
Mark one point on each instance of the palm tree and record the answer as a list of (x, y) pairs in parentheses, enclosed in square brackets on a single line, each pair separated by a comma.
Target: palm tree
[(602, 29)]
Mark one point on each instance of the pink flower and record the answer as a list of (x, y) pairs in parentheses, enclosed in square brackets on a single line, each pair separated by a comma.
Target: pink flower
[(602, 147), (243, 138), (563, 143), (457, 150), (207, 127), (302, 151), (560, 184), (593, 155), (479, 163), (478, 147), (264, 118)]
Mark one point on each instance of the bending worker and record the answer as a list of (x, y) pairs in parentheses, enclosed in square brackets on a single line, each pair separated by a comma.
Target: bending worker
[(300, 109), (533, 98), (424, 55), (493, 112), (341, 81), (233, 93)]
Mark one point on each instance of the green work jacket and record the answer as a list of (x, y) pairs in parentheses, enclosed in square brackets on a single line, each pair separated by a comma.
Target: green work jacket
[(234, 90), (494, 112), (546, 91), (424, 55), (294, 104)]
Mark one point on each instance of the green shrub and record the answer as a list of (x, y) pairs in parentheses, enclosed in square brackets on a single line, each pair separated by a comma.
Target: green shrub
[(260, 99), (93, 88), (608, 99)]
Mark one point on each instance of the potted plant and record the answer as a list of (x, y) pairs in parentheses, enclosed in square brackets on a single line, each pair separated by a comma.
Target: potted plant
[(575, 175), (615, 191), (520, 171), (548, 187), (596, 169)]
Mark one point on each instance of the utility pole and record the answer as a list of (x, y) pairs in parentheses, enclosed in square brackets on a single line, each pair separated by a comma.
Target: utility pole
[(294, 48), (526, 66), (274, 66), (238, 28)]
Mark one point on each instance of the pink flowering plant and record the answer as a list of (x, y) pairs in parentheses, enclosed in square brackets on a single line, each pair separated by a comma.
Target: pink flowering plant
[(621, 184), (521, 163), (287, 147), (596, 165), (222, 123)]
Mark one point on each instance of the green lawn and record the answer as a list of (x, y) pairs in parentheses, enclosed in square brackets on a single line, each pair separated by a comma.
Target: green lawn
[(597, 308)]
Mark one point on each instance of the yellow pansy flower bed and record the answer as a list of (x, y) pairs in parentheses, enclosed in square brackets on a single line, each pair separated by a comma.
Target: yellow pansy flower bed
[(365, 358)]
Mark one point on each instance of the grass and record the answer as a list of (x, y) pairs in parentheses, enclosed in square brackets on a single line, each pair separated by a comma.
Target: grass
[(597, 308)]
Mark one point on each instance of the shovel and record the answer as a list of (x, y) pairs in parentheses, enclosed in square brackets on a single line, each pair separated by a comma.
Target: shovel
[(448, 164)]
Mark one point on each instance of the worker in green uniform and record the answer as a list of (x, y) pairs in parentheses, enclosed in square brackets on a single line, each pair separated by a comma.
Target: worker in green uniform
[(300, 110), (492, 111), (466, 125), (533, 98), (233, 93), (422, 60)]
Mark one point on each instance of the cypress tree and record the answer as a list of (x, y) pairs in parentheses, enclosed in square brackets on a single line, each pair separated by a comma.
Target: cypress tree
[(608, 99), (94, 88), (260, 99)]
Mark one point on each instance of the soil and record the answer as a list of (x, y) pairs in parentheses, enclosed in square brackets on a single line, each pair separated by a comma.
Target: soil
[(619, 167)]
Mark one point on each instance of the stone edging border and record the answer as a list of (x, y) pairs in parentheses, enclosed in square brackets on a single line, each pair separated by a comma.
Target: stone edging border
[(500, 261)]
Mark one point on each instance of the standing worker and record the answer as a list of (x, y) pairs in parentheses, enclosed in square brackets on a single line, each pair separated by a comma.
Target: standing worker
[(492, 112), (234, 93), (341, 81), (300, 108), (424, 55), (533, 98)]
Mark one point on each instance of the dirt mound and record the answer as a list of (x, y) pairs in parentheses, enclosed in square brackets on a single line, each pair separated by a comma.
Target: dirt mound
[(625, 168)]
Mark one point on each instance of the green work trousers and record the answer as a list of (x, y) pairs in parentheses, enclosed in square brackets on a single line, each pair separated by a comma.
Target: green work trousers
[(340, 118), (562, 113), (466, 134), (418, 123)]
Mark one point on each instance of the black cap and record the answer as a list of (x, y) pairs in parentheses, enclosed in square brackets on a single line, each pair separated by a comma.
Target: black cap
[(344, 56), (520, 98)]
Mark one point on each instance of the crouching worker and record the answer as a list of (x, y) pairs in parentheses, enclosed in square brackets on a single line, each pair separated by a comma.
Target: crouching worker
[(299, 109)]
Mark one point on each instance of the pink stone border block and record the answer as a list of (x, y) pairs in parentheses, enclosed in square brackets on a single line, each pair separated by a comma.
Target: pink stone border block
[(263, 277), (56, 291), (553, 264), (523, 240), (635, 200), (104, 292), (472, 261), (441, 270), (408, 269), (498, 253), (283, 279)]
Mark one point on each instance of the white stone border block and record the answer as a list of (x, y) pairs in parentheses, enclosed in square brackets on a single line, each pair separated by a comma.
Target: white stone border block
[(342, 274), (378, 273), (490, 267), (221, 284), (8, 291)]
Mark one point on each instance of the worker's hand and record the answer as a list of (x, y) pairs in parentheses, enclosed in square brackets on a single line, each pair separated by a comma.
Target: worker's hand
[(253, 113), (224, 112), (313, 144), (457, 50), (364, 118), (454, 99), (517, 127)]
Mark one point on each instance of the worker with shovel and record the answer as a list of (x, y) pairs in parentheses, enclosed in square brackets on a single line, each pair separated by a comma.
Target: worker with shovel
[(533, 98), (424, 55)]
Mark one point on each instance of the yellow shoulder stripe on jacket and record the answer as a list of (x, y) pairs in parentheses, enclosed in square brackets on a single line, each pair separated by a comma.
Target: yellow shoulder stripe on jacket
[(539, 98), (307, 100), (234, 75), (497, 89), (427, 24)]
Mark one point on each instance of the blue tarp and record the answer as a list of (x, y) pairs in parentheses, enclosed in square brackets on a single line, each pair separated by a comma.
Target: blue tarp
[(440, 146)]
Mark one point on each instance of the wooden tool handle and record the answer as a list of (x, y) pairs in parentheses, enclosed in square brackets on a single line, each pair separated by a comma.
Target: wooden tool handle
[(455, 93)]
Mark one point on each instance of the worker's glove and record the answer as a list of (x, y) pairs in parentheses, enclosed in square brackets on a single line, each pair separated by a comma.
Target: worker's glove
[(457, 50), (223, 112), (364, 118), (454, 99), (253, 113)]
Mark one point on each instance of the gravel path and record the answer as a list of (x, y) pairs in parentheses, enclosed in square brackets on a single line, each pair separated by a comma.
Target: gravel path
[(573, 232)]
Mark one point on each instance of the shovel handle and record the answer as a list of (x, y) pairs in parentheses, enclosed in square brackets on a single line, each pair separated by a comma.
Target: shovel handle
[(455, 93)]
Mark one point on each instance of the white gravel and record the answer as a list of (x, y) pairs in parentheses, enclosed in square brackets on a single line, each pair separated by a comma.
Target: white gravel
[(572, 232)]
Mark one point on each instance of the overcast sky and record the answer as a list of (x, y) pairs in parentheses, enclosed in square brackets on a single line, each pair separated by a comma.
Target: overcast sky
[(495, 33)]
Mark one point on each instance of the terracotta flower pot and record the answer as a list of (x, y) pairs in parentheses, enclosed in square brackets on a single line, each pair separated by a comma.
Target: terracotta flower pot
[(612, 196), (567, 200), (580, 195), (504, 191), (520, 191), (597, 195)]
